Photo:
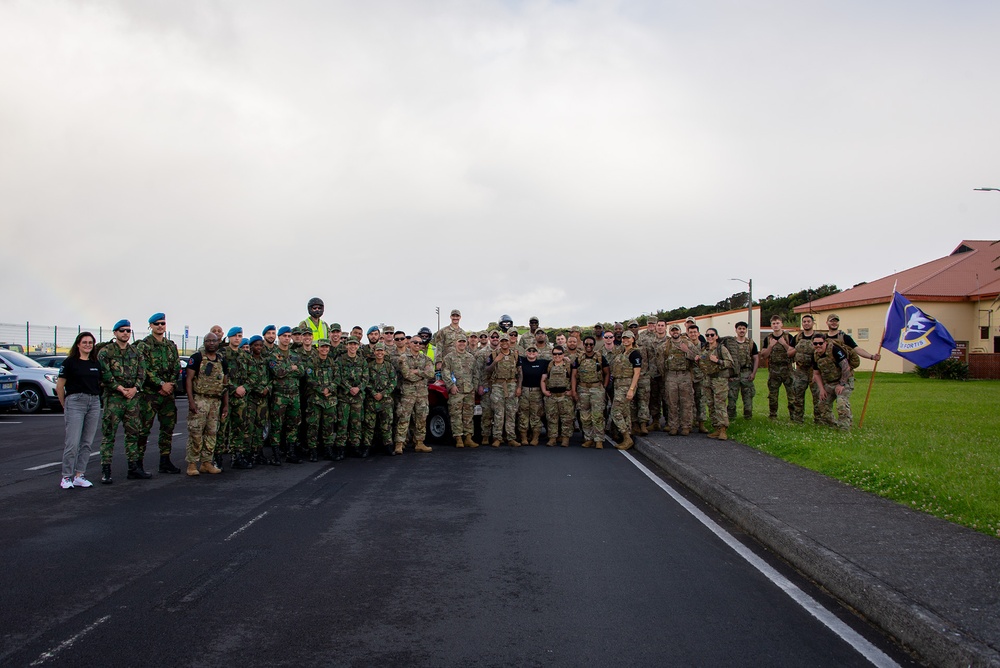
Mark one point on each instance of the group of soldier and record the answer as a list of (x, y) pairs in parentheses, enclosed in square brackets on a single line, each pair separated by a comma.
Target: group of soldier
[(310, 391)]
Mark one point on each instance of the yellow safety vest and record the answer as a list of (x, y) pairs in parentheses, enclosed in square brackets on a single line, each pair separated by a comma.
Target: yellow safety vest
[(318, 331)]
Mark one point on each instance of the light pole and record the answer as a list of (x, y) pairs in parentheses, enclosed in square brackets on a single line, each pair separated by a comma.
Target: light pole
[(987, 189), (749, 284)]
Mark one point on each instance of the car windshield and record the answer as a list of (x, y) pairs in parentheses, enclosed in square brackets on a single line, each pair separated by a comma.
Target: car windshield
[(17, 359)]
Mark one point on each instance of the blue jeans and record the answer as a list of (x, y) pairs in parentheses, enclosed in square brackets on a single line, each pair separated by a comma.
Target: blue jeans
[(83, 419)]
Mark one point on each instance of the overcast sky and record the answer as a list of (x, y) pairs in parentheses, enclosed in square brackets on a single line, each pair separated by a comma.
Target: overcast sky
[(226, 161)]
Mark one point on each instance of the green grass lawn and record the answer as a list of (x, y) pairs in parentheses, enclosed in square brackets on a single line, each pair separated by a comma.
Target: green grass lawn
[(932, 445)]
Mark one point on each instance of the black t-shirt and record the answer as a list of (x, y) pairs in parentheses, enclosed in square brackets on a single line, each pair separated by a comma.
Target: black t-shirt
[(194, 364), (847, 340), (635, 359), (82, 376), (532, 372), (838, 356)]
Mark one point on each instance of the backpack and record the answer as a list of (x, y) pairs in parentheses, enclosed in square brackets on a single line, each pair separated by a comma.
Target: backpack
[(852, 356)]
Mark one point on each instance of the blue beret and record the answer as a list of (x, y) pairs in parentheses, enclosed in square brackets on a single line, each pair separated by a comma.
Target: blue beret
[(284, 330), (373, 328), (255, 338), (267, 329), (121, 323), (156, 316), (244, 342), (233, 331)]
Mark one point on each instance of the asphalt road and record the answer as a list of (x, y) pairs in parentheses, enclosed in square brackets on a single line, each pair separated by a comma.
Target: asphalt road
[(495, 557)]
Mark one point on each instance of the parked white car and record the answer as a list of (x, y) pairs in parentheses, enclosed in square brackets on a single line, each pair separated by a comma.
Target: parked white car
[(36, 383)]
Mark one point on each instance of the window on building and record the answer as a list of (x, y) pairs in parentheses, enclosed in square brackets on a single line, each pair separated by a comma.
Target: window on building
[(984, 332)]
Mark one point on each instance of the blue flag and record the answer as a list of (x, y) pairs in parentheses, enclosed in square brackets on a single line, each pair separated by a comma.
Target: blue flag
[(914, 335)]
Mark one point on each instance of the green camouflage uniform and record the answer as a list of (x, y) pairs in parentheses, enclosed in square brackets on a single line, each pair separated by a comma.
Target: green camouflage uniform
[(590, 390), (203, 427), (559, 405), (415, 371), (378, 414), (444, 341), (715, 386), (740, 383), (680, 392), (640, 402), (322, 414), (486, 400), (258, 385), (125, 368), (653, 349), (230, 439), (504, 399), (351, 372), (459, 371), (779, 372), (621, 377), (697, 380), (831, 373), (285, 407), (802, 379), (163, 365)]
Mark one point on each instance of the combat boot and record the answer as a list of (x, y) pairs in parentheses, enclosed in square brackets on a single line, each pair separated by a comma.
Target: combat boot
[(339, 453), (643, 430), (398, 450), (722, 434), (495, 443), (672, 432), (420, 447), (625, 444), (535, 434), (588, 444), (209, 467), (524, 437), (714, 434), (552, 441), (328, 453), (240, 462), (685, 431), (564, 442), (291, 456), (167, 466), (192, 469), (459, 441), (106, 474), (258, 457), (364, 451), (599, 445), (313, 455), (136, 472), (702, 429), (469, 442)]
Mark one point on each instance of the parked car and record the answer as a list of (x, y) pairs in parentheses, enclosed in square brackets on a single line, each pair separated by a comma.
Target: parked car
[(8, 390), (180, 389), (16, 347), (53, 361), (36, 383)]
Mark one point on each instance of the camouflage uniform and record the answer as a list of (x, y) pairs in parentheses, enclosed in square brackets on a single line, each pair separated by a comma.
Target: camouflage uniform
[(653, 349), (680, 392), (559, 405), (415, 370), (740, 383), (203, 427), (258, 386), (444, 341), (697, 382), (504, 400), (286, 411), (382, 378), (590, 390), (828, 365), (486, 400), (163, 365), (125, 368), (643, 389), (715, 385), (621, 374), (322, 415), (459, 371), (779, 372), (351, 372), (231, 437), (802, 379)]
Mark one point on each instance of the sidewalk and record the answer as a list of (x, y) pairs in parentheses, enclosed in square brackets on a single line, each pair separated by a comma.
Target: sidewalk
[(932, 584)]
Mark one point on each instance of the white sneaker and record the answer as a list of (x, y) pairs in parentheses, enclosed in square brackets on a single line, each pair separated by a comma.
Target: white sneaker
[(80, 481), (66, 483)]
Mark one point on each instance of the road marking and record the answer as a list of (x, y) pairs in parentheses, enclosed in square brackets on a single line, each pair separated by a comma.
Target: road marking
[(51, 464), (876, 656), (245, 526), (66, 644), (329, 470), (10, 423)]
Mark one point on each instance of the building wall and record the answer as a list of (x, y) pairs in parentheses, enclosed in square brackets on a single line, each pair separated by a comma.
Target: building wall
[(726, 321)]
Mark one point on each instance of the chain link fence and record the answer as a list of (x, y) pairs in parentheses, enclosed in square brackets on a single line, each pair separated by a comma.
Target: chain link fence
[(57, 339)]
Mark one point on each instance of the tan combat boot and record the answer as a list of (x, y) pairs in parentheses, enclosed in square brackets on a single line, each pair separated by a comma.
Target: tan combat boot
[(524, 437), (625, 444), (643, 430), (599, 444), (587, 444), (714, 434), (495, 443), (420, 447), (702, 429), (459, 442), (192, 469), (552, 441), (534, 437), (564, 442), (398, 450), (673, 432), (722, 434), (685, 431), (469, 443), (209, 467)]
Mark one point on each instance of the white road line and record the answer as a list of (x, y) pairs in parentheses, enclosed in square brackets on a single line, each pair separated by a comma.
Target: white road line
[(10, 423), (329, 470), (51, 464), (245, 527), (66, 644), (876, 656)]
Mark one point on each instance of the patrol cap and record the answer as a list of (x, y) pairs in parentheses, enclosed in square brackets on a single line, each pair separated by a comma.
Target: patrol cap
[(539, 331), (254, 339), (296, 330), (388, 329), (373, 328), (121, 323), (532, 349), (354, 339), (689, 319), (675, 326), (494, 333), (380, 346), (628, 335), (285, 330), (455, 311), (335, 327), (533, 318), (323, 342), (462, 337), (633, 323), (267, 329), (833, 316), (233, 331), (156, 316)]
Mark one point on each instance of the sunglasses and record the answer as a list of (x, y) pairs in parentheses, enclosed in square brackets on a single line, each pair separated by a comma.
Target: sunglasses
[(817, 344), (127, 331), (610, 336), (159, 323), (554, 354), (399, 338), (710, 334)]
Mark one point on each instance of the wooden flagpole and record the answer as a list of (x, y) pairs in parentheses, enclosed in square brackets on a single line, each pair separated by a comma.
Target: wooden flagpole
[(871, 381)]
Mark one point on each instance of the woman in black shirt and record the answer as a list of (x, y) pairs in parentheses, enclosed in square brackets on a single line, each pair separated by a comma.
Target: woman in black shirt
[(79, 391)]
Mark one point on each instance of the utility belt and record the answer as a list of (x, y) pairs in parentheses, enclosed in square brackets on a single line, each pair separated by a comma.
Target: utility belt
[(210, 396), (557, 390)]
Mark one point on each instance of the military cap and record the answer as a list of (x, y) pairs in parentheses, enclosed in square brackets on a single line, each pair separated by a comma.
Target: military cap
[(354, 339), (833, 316), (533, 318), (323, 342), (628, 335), (675, 326), (539, 331), (455, 311), (157, 316), (285, 330), (689, 319), (121, 323), (388, 329), (233, 331), (296, 330), (268, 329), (373, 328), (462, 337), (531, 349), (495, 332), (244, 342), (379, 346), (335, 327), (254, 339), (633, 323)]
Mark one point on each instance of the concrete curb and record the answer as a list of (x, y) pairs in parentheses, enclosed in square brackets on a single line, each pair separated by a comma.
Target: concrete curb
[(934, 638)]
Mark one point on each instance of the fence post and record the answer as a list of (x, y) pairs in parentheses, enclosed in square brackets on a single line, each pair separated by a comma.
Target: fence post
[(27, 336), (55, 338)]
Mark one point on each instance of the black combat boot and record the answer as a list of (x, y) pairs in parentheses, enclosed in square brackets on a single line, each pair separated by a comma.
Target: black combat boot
[(136, 472), (106, 474), (313, 455), (340, 453), (292, 456), (328, 454), (167, 466), (258, 457), (239, 462), (364, 451), (275, 456)]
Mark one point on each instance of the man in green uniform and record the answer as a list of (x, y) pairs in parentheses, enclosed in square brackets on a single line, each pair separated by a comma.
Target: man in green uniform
[(379, 405), (352, 382), (590, 378), (322, 416), (746, 359), (415, 370), (258, 386), (458, 372), (779, 351), (286, 372), (122, 374), (156, 398)]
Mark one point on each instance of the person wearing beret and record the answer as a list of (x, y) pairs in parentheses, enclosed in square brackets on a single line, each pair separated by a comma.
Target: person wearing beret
[(156, 397), (122, 374)]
